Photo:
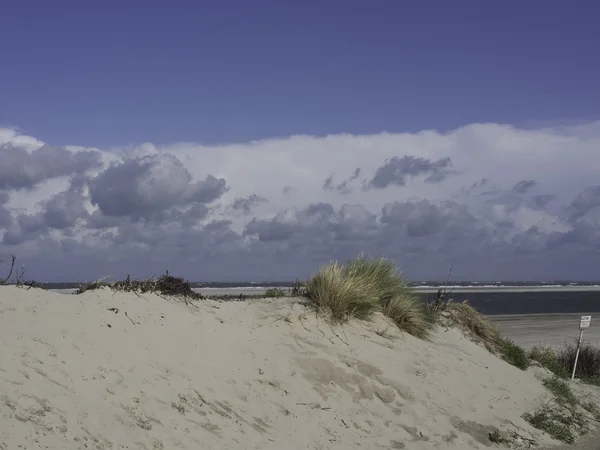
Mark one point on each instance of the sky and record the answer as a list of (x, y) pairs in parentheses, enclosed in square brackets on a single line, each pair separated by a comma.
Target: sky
[(258, 140)]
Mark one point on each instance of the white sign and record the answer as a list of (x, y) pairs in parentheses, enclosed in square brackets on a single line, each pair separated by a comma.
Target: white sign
[(585, 322)]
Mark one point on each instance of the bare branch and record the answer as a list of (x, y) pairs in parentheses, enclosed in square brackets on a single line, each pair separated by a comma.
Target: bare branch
[(12, 267)]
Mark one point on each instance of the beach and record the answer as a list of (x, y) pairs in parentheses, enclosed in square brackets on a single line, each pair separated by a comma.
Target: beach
[(108, 370), (547, 329)]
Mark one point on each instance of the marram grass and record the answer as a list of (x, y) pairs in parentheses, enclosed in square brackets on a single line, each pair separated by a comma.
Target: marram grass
[(363, 286)]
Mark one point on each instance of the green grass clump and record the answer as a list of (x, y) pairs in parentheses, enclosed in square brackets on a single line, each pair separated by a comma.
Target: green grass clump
[(363, 286), (514, 354), (563, 418), (556, 423), (562, 391), (593, 409), (548, 358)]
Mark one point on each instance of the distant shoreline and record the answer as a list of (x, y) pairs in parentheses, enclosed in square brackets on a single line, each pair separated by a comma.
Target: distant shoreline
[(248, 290)]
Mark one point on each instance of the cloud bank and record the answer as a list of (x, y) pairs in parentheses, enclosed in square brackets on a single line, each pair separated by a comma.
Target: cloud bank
[(496, 201)]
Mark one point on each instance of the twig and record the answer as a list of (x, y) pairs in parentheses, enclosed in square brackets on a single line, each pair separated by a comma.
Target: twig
[(132, 321), (336, 335), (12, 266), (315, 406)]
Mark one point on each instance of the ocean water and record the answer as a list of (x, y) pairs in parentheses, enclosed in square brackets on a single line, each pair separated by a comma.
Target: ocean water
[(547, 302)]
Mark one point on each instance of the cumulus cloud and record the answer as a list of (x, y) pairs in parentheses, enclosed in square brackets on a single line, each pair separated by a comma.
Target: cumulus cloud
[(585, 201), (468, 197), (21, 169), (148, 185)]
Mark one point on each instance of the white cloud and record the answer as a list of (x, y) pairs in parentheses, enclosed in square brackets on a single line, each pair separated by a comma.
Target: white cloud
[(562, 161)]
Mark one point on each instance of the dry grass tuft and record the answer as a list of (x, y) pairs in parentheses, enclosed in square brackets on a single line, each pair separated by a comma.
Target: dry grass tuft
[(164, 285), (473, 322)]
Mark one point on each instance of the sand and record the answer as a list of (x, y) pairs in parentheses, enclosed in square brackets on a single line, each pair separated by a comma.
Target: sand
[(552, 330), (111, 370)]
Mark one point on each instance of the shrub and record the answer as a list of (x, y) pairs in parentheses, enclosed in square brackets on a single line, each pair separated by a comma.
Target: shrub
[(275, 293), (165, 285), (588, 364), (548, 358), (363, 286), (298, 289), (513, 354)]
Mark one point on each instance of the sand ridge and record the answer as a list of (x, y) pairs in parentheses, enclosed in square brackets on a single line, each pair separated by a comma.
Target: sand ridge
[(107, 370)]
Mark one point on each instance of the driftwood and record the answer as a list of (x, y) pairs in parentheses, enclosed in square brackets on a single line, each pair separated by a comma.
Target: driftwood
[(19, 279)]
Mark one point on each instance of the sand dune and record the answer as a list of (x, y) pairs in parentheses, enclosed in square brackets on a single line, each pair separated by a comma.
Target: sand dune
[(108, 370)]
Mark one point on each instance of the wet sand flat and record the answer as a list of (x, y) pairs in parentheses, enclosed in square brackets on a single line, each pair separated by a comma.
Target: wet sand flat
[(546, 329)]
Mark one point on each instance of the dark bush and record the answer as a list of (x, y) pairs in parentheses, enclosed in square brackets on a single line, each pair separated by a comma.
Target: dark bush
[(588, 364), (164, 285)]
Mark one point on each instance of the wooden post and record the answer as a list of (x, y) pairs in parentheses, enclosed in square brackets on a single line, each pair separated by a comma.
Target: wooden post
[(583, 323), (577, 353)]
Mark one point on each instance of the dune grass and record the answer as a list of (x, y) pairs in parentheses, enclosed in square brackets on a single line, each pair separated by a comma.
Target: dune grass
[(480, 330), (364, 286), (473, 322)]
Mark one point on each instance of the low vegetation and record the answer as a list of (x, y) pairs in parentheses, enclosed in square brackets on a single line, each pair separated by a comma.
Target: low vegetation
[(275, 293), (364, 286), (480, 330), (469, 320), (560, 361), (16, 277), (514, 354), (163, 285), (564, 417)]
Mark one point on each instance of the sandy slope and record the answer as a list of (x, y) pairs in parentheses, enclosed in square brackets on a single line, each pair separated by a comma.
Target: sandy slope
[(255, 375)]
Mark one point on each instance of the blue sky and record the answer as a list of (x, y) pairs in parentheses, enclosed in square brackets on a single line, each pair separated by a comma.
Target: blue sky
[(117, 73), (260, 139)]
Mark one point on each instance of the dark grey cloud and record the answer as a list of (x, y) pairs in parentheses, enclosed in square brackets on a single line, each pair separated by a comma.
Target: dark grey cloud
[(524, 186), (345, 187), (316, 218), (64, 209), (21, 169), (423, 218), (423, 236), (5, 217), (5, 214), (24, 227), (396, 170), (148, 185), (541, 201), (286, 190), (474, 188), (244, 205), (584, 202)]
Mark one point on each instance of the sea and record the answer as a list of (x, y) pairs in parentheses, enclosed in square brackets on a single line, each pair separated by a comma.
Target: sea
[(490, 298)]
